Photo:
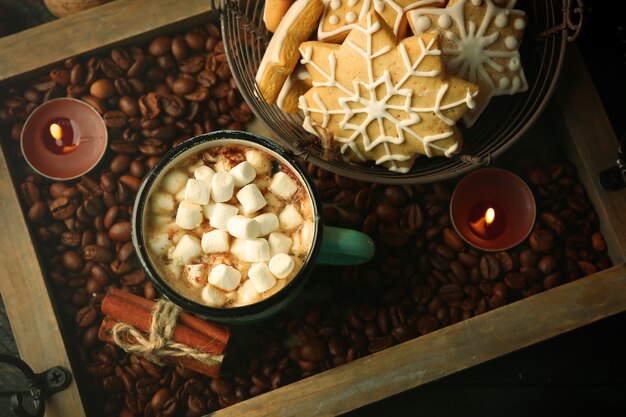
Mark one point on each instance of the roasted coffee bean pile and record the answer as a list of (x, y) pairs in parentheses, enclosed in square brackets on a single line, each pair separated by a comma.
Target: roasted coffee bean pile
[(423, 277)]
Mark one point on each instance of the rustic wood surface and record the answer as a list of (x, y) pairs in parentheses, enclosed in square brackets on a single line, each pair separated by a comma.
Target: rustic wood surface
[(93, 29), (593, 149), (27, 299), (369, 379)]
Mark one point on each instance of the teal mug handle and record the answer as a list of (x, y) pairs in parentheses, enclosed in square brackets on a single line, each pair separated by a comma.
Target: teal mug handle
[(345, 247)]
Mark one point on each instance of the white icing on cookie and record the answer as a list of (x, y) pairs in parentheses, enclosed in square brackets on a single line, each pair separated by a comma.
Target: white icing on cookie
[(444, 21), (333, 20), (504, 83), (515, 64), (350, 17), (477, 2), (422, 25), (335, 4), (510, 42), (502, 20), (352, 3), (519, 24)]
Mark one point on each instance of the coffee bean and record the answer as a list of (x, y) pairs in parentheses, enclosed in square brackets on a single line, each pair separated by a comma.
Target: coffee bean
[(30, 193), (547, 264), (489, 267), (515, 280), (450, 293), (120, 231), (597, 242), (387, 213), (37, 212), (541, 241), (62, 208), (160, 45), (314, 350), (71, 261), (86, 316), (380, 343), (115, 119), (427, 324), (222, 386), (102, 89)]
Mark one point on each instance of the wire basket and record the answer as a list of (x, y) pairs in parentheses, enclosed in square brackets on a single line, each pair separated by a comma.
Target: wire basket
[(502, 123)]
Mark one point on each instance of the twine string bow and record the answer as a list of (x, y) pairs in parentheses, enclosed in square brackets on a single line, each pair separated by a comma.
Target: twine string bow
[(160, 345)]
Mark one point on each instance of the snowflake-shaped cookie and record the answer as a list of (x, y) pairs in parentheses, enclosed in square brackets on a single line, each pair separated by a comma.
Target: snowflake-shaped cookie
[(480, 44), (340, 16), (382, 100)]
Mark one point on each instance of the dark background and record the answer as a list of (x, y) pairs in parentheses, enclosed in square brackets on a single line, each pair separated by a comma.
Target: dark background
[(580, 373)]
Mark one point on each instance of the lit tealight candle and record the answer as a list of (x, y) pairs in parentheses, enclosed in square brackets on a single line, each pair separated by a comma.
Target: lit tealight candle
[(63, 138), (483, 203)]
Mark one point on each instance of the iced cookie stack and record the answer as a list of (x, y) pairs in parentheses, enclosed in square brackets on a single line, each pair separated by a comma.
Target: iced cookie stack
[(383, 94)]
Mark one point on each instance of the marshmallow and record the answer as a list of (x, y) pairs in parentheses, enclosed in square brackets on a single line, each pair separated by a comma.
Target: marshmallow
[(281, 265), (283, 186), (238, 248), (189, 215), (279, 243), (224, 277), (247, 293), (215, 241), (260, 161), (159, 243), (290, 218), (243, 227), (243, 173), (174, 181), (197, 191), (221, 213), (268, 223), (251, 199), (256, 250), (261, 277), (212, 296), (303, 238), (195, 274), (207, 210), (203, 173), (222, 186), (188, 248), (162, 203)]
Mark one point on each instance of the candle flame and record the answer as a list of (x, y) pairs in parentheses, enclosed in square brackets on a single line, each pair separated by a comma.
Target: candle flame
[(56, 131), (490, 215)]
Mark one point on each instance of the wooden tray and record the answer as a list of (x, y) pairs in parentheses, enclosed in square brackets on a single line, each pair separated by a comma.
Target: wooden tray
[(575, 117)]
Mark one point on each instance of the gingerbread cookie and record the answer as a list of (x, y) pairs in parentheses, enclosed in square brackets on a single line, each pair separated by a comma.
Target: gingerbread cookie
[(340, 16), (298, 83), (274, 11), (480, 44), (383, 100), (281, 55)]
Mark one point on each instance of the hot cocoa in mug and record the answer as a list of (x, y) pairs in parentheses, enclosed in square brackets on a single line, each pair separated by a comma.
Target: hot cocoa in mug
[(229, 226)]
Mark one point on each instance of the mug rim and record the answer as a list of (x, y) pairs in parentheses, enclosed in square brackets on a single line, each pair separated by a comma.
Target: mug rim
[(224, 313)]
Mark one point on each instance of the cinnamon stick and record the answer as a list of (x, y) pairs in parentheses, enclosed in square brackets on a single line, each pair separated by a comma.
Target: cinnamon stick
[(105, 333), (121, 309), (212, 330)]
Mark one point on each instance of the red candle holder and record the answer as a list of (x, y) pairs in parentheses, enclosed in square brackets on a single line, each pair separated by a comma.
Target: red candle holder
[(492, 209), (63, 139)]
